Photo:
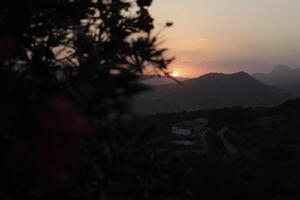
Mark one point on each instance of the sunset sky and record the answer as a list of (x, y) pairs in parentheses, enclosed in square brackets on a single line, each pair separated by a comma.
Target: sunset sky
[(230, 35)]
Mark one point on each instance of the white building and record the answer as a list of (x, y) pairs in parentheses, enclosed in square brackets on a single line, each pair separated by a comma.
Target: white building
[(181, 131), (188, 128)]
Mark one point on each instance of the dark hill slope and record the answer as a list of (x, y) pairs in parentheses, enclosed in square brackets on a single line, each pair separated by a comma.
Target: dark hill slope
[(210, 91)]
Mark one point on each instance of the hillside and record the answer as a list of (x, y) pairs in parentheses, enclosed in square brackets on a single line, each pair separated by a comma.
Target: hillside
[(263, 165), (214, 90), (152, 80)]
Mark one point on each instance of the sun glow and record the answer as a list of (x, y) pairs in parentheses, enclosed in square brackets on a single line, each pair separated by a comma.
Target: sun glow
[(174, 74)]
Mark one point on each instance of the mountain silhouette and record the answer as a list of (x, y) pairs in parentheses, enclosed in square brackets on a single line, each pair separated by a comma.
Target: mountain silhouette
[(281, 75), (156, 80), (284, 77), (210, 91)]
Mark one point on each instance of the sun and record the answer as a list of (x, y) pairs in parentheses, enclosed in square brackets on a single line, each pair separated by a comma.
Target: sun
[(174, 74)]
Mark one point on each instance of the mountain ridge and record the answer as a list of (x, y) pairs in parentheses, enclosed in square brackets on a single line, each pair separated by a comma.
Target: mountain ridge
[(281, 75), (209, 91), (153, 80)]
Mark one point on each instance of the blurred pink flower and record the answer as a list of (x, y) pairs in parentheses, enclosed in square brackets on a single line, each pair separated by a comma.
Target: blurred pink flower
[(63, 130), (59, 115)]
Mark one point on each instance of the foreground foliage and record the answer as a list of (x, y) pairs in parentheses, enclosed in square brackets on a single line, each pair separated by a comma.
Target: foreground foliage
[(67, 70)]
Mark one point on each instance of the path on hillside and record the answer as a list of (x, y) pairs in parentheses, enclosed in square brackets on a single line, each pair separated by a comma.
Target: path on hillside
[(228, 146)]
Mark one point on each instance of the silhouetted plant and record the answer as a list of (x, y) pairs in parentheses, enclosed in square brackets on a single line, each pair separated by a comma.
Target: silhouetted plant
[(67, 69)]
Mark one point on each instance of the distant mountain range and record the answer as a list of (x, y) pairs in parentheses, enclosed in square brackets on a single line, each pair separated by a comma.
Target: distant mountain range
[(210, 91), (281, 75), (155, 80), (284, 77)]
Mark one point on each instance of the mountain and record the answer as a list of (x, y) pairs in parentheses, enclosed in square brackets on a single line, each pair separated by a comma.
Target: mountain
[(284, 77), (156, 80), (210, 91), (281, 75)]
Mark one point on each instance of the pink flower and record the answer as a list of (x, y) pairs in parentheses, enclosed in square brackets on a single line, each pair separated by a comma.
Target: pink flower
[(63, 130), (66, 128), (59, 115)]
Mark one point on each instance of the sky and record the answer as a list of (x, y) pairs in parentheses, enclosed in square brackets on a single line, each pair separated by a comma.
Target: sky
[(229, 35)]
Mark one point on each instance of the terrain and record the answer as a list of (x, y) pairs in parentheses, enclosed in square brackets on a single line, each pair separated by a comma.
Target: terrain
[(265, 164), (210, 91), (153, 80), (284, 77), (281, 75)]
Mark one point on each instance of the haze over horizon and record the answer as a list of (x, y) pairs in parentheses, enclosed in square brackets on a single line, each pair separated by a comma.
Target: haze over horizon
[(230, 36)]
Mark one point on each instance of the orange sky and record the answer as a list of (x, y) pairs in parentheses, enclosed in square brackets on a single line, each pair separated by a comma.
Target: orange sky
[(230, 35)]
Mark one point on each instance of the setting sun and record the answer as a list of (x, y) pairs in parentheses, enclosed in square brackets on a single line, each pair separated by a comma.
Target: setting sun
[(175, 74)]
